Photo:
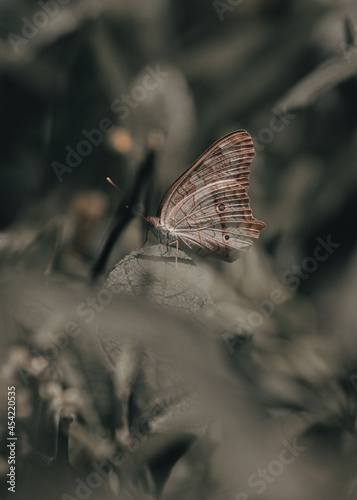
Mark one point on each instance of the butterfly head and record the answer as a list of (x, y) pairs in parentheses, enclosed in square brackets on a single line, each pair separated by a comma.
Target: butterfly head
[(164, 234), (151, 222)]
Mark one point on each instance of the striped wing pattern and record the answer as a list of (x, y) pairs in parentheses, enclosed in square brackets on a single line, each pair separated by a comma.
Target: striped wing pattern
[(208, 206)]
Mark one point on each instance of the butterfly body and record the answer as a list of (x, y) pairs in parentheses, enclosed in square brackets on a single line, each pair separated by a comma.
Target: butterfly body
[(165, 234), (206, 211)]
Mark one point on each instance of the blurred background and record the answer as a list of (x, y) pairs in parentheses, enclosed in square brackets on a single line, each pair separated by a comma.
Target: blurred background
[(136, 91)]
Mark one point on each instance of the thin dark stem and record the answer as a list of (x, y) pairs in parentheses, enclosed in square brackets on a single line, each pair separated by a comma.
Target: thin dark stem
[(124, 215)]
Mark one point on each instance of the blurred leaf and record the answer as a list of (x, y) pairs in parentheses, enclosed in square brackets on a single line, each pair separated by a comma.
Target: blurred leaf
[(322, 80)]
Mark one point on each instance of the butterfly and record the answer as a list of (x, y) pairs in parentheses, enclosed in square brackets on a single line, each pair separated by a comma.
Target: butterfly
[(206, 211)]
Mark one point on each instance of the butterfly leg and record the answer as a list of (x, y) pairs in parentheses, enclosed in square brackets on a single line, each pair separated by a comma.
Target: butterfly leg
[(167, 250), (176, 253), (176, 242)]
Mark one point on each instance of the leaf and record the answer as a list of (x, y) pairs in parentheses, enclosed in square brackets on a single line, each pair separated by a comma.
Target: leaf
[(152, 272), (327, 76)]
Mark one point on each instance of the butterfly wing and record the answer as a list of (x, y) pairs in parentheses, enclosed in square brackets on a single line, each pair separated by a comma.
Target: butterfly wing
[(218, 221), (227, 159), (208, 206)]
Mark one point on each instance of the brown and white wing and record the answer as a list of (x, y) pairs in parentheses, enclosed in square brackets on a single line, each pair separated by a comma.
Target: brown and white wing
[(227, 159), (216, 221)]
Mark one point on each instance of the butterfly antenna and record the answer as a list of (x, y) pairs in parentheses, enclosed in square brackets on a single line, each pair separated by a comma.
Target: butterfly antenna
[(136, 210), (113, 184)]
